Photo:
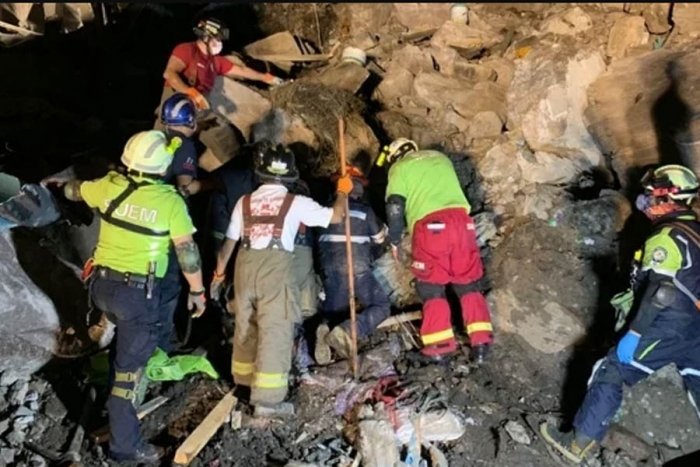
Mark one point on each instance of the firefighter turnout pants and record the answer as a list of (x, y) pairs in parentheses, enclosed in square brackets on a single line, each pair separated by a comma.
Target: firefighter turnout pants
[(671, 339), (136, 318), (306, 280), (445, 251), (266, 310)]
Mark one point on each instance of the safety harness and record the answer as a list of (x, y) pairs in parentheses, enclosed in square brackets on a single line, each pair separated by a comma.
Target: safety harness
[(694, 237), (107, 216), (277, 221)]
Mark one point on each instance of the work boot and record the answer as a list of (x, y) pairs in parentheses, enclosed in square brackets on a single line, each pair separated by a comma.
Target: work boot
[(146, 454), (283, 410), (322, 351), (478, 353), (340, 341), (572, 446)]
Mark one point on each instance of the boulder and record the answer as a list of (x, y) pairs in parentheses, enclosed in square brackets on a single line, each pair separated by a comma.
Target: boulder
[(276, 44), (627, 32), (485, 125), (422, 16), (397, 82), (637, 98), (656, 17), (239, 104), (30, 323), (505, 70), (547, 99), (501, 174), (413, 59), (538, 201), (569, 23), (686, 17), (363, 18), (658, 411), (466, 40), (345, 75), (543, 167)]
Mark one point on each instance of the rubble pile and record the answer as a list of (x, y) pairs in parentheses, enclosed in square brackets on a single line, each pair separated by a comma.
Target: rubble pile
[(548, 111)]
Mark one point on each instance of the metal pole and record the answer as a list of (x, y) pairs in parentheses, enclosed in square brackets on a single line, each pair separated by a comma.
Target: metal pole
[(348, 249)]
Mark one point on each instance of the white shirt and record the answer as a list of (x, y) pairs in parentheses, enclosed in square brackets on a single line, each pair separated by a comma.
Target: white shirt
[(266, 201)]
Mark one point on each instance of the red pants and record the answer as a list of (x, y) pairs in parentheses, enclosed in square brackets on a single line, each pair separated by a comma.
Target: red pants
[(445, 252)]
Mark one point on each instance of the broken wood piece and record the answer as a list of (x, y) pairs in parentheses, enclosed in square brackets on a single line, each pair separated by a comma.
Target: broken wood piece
[(402, 318), (292, 57), (19, 29), (102, 435), (203, 433)]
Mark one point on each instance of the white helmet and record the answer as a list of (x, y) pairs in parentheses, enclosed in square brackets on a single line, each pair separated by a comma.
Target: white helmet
[(396, 150), (150, 152)]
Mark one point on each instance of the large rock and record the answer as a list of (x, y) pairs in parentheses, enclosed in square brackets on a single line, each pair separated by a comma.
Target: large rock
[(686, 17), (658, 411), (396, 83), (30, 323), (239, 104), (413, 59), (282, 43), (550, 316), (543, 167), (466, 40), (422, 16), (547, 99), (501, 174), (364, 18), (569, 23), (656, 17), (627, 32), (348, 76), (638, 98)]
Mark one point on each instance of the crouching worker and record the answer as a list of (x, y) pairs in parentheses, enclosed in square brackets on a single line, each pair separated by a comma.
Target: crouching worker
[(265, 292), (666, 325), (140, 216), (365, 230), (423, 188)]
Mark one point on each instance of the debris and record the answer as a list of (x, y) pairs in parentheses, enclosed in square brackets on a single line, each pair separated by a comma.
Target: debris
[(543, 167), (517, 432), (239, 104), (627, 32), (466, 40), (433, 426), (396, 83), (102, 435), (54, 409), (570, 22), (18, 392), (236, 419), (437, 458), (376, 443), (656, 17), (419, 17), (485, 125), (348, 76), (686, 17), (201, 435), (402, 318), (8, 455)]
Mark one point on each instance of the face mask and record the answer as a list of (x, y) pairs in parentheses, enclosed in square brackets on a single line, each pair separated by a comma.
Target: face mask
[(215, 47)]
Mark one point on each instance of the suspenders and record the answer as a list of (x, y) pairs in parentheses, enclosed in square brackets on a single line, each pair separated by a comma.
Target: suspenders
[(277, 221)]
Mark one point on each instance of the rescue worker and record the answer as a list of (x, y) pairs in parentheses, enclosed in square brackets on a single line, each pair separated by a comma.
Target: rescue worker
[(423, 187), (264, 289), (666, 326), (365, 230), (178, 116), (192, 69), (141, 216)]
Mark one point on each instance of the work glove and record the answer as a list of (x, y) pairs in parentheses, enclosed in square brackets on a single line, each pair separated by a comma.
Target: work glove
[(217, 283), (199, 100), (627, 347), (197, 301), (273, 81), (344, 184)]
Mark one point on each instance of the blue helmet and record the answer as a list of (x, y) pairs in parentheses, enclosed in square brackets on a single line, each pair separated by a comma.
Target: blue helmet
[(178, 110)]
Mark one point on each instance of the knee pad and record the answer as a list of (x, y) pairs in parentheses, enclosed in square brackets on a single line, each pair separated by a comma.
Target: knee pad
[(427, 291)]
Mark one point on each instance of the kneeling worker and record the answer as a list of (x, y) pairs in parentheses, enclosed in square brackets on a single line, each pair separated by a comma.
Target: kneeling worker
[(141, 216), (265, 291)]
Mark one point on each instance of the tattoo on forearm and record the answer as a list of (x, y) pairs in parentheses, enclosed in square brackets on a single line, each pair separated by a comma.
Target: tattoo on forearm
[(72, 190), (188, 257)]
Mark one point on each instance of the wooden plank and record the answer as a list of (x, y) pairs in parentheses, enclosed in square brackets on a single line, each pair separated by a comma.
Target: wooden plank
[(203, 433), (402, 318), (19, 29), (102, 435), (292, 57)]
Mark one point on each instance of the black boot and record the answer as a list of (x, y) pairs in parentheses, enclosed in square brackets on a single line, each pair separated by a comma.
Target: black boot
[(146, 454), (479, 353)]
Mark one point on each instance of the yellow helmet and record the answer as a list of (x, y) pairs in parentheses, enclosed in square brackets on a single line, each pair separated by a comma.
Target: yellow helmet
[(676, 182), (150, 152), (396, 150)]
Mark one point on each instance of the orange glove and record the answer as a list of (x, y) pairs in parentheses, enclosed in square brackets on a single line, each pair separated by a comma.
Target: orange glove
[(199, 100), (344, 185)]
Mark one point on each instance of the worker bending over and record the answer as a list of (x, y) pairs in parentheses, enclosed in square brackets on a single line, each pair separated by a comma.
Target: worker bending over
[(265, 293), (365, 230), (140, 217), (192, 69), (666, 326), (423, 188)]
